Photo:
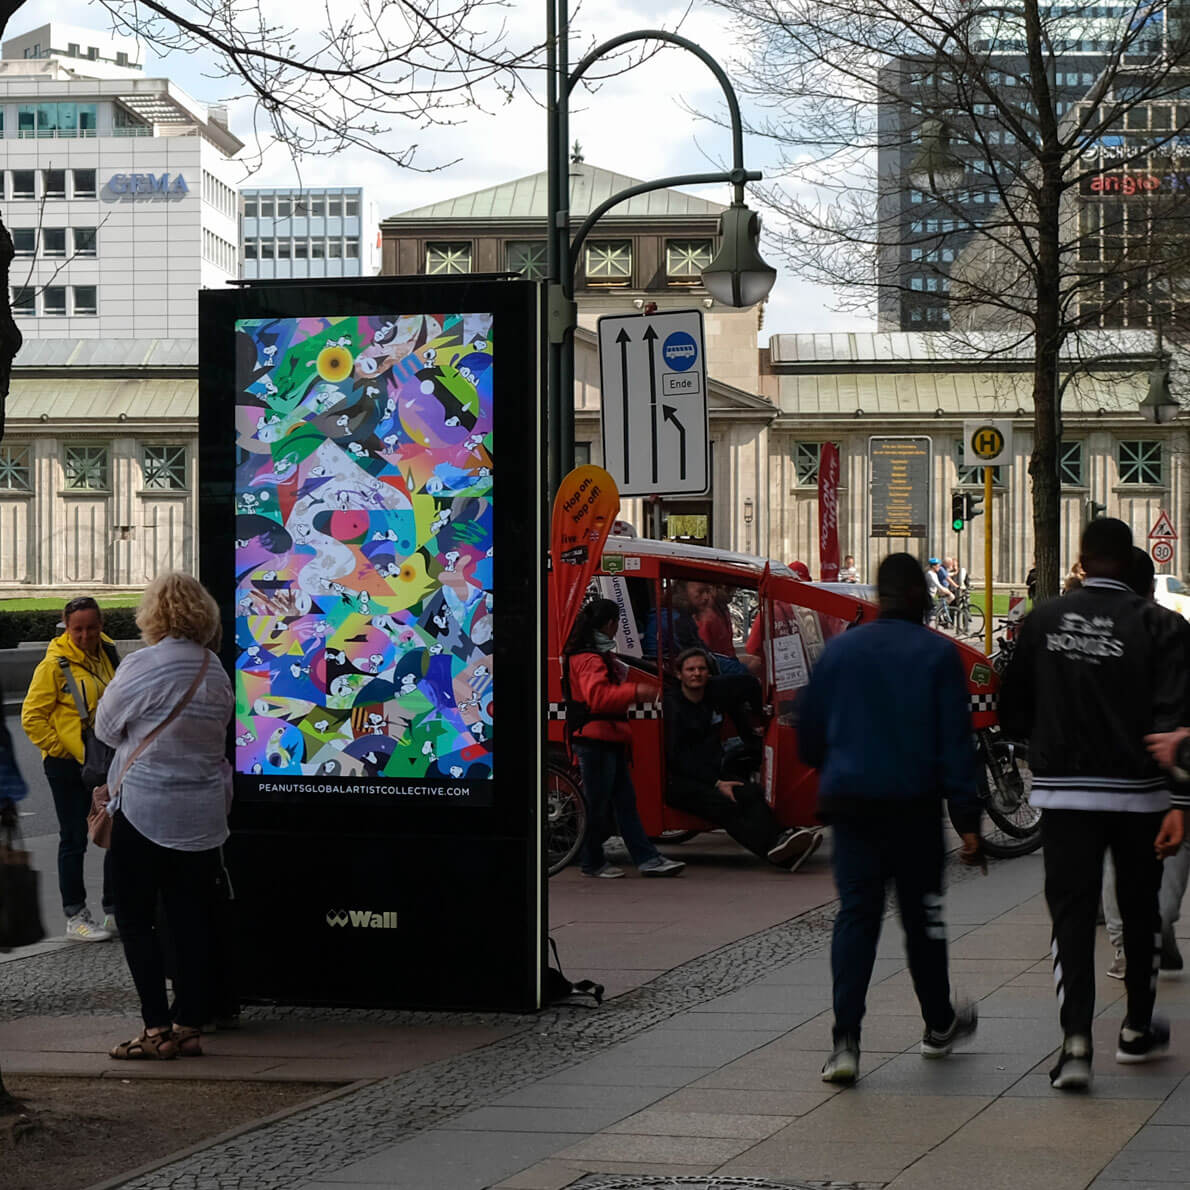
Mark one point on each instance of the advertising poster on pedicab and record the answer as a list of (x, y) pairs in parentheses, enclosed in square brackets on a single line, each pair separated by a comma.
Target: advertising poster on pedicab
[(371, 524)]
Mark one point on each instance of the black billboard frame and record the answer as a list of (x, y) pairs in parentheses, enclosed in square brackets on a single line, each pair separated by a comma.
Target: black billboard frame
[(412, 903)]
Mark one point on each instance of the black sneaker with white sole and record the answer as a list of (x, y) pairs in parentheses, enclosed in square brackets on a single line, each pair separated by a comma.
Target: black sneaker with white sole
[(1073, 1071), (1137, 1045), (937, 1043)]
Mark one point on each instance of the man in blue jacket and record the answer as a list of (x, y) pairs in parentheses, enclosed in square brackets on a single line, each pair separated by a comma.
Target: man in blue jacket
[(886, 721)]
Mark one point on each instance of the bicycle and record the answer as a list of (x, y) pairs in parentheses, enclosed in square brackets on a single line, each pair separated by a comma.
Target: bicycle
[(968, 618)]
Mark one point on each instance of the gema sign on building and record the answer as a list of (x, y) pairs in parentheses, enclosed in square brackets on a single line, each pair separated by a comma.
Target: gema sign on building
[(371, 526)]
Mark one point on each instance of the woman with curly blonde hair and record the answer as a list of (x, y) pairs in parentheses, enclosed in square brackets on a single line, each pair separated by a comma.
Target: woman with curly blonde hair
[(167, 717)]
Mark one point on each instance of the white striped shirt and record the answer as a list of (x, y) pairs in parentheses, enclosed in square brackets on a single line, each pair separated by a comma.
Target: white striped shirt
[(176, 792)]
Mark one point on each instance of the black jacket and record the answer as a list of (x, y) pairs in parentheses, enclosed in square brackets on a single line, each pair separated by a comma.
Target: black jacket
[(1093, 673)]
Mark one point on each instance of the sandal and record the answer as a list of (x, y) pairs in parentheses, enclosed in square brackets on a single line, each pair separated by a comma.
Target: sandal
[(147, 1045), (188, 1040)]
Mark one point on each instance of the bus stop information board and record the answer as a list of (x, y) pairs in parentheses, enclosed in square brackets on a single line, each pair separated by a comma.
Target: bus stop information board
[(900, 475)]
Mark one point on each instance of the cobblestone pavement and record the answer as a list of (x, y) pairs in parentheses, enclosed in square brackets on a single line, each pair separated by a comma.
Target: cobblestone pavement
[(299, 1149)]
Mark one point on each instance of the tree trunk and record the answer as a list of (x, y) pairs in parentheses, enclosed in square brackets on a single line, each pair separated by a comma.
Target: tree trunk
[(10, 333), (1047, 416)]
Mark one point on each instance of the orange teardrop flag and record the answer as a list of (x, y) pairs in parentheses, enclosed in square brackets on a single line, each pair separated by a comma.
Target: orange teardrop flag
[(585, 509)]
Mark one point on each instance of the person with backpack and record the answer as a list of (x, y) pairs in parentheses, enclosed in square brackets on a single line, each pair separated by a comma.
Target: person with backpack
[(57, 714), (598, 695)]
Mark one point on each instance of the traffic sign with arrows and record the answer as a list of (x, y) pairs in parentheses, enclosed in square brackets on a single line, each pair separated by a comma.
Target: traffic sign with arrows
[(653, 383)]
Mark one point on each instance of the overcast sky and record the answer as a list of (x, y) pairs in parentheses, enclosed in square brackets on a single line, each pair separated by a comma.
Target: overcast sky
[(636, 124)]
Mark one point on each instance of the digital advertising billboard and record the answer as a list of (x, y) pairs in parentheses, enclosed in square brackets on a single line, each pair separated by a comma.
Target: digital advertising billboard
[(371, 525)]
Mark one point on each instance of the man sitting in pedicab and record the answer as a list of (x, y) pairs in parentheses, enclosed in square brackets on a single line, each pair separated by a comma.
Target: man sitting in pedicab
[(705, 780)]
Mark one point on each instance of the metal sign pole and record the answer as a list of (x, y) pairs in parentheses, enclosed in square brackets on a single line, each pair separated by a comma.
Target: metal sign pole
[(987, 561)]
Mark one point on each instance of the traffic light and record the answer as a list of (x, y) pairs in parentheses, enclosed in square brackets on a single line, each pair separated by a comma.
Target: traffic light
[(958, 511), (972, 509), (1094, 511)]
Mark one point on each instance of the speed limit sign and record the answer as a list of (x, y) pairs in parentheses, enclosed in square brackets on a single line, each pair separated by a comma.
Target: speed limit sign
[(1162, 553)]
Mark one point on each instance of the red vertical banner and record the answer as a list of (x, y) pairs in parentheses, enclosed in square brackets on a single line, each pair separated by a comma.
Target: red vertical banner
[(585, 509), (828, 513)]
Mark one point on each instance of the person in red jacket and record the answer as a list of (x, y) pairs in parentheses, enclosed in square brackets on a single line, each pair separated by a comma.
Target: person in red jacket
[(597, 711)]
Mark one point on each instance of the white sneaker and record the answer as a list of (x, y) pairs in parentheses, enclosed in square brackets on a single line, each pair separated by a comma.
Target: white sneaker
[(109, 924), (82, 928)]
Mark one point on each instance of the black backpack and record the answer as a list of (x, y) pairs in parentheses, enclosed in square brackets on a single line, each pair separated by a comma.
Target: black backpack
[(558, 987)]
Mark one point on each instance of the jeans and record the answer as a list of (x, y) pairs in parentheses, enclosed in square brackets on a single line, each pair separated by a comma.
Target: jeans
[(867, 852), (747, 817), (72, 801), (1174, 874), (142, 871), (608, 793), (1074, 843)]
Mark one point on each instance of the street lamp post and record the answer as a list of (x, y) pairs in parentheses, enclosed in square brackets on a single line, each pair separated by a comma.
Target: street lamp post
[(737, 276)]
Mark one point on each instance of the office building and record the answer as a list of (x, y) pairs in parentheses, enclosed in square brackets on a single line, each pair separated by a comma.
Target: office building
[(307, 232), (119, 190)]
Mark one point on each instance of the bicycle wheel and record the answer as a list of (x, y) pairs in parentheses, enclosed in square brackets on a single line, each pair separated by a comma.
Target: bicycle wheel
[(1011, 826), (974, 622), (566, 815)]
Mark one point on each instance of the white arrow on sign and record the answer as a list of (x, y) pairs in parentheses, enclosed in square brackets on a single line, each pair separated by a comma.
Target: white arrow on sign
[(654, 402)]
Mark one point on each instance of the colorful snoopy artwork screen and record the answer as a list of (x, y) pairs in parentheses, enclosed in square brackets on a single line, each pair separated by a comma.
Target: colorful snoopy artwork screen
[(363, 548)]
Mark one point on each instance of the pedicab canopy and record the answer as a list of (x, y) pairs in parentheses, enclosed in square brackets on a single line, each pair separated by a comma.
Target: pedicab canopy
[(370, 503)]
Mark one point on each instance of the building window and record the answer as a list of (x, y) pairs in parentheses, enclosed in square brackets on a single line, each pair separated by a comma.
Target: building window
[(805, 462), (249, 208), (86, 300), (24, 183), (351, 249), (24, 240), (351, 206), (266, 249), (24, 302), (317, 206), (284, 249), (301, 249), (449, 257), (973, 476), (53, 241), (85, 241), (317, 249), (249, 249), (334, 249), (86, 468), (685, 260), (53, 302), (284, 207), (1070, 464), (16, 471), (334, 208), (1140, 462), (526, 257), (582, 454), (609, 262), (266, 208), (84, 183), (165, 468), (55, 183)]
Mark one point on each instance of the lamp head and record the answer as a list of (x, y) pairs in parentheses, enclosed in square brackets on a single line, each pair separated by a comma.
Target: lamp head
[(738, 276), (1159, 406)]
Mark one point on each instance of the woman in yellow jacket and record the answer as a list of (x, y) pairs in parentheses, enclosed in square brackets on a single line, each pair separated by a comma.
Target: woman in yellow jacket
[(82, 658)]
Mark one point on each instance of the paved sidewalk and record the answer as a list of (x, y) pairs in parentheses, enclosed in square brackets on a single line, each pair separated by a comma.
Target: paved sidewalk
[(728, 1085)]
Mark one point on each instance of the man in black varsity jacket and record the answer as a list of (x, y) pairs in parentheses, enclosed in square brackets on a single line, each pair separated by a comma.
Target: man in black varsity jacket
[(1093, 673)]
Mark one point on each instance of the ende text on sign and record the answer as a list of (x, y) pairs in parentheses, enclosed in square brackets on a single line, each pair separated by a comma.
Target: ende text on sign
[(148, 184)]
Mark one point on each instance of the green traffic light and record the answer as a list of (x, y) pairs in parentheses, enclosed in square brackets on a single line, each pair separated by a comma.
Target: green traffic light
[(957, 525)]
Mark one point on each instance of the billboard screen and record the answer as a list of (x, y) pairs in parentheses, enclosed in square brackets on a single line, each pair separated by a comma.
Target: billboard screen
[(371, 524)]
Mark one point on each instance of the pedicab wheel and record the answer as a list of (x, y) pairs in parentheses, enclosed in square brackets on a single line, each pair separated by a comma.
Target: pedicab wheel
[(565, 815), (673, 838), (1011, 824)]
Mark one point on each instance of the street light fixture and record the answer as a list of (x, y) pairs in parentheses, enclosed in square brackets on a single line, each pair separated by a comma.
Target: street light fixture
[(738, 276), (1159, 406), (936, 169)]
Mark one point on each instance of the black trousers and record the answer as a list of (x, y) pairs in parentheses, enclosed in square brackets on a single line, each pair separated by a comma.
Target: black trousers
[(747, 818), (867, 852), (1074, 842), (143, 871)]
